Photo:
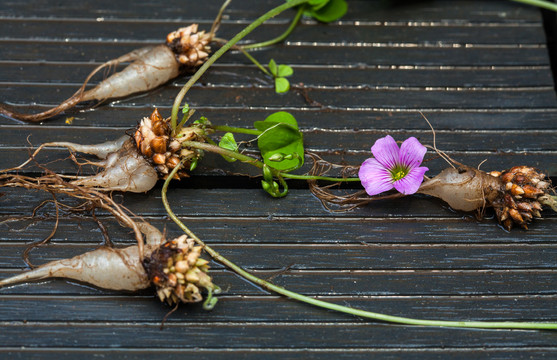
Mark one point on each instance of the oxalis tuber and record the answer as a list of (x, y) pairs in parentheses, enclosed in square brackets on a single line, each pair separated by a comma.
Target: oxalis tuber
[(517, 195), (134, 164), (151, 66), (173, 267)]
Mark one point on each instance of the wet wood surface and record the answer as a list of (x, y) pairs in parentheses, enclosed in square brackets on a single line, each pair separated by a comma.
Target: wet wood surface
[(480, 72)]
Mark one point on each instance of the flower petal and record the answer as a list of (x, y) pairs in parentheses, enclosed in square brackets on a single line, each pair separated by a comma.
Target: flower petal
[(374, 177), (386, 151), (411, 182), (411, 153)]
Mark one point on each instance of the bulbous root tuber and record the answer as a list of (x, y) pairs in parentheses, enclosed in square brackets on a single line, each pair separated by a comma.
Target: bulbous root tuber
[(134, 164), (517, 195), (151, 67)]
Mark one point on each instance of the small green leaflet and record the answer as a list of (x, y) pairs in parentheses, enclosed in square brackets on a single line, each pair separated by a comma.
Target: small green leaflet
[(229, 143), (282, 85), (281, 140), (280, 72)]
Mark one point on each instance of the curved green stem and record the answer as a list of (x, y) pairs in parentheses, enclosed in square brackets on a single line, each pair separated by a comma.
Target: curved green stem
[(237, 130), (247, 54), (281, 37), (539, 3), (335, 307), (224, 49), (257, 163), (223, 151), (314, 177)]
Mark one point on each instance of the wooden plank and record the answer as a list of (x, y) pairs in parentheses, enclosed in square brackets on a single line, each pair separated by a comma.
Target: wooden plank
[(264, 335), (254, 309), (311, 76), (264, 96), (478, 70), (312, 231), (373, 11), (354, 257), (353, 353), (120, 116), (83, 51), (319, 140), (102, 32)]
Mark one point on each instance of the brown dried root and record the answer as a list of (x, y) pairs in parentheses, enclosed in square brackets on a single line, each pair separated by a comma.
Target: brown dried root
[(53, 183), (132, 268), (333, 201), (517, 195)]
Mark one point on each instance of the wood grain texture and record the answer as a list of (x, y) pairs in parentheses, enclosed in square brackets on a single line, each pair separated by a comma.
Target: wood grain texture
[(480, 72)]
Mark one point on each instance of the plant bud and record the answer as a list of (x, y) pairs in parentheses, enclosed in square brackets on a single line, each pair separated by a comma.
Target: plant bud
[(158, 144), (172, 280), (146, 149), (137, 137), (155, 116), (172, 162), (159, 159), (531, 191), (516, 190), (182, 266), (159, 128), (276, 157), (507, 177)]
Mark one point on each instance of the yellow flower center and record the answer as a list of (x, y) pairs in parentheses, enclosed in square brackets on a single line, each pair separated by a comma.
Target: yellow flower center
[(399, 172)]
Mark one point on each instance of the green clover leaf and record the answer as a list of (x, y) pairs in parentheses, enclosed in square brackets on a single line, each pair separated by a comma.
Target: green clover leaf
[(280, 72), (280, 135), (327, 11)]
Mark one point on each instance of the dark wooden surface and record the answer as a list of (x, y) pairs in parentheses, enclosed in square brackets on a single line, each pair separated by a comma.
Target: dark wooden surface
[(479, 70)]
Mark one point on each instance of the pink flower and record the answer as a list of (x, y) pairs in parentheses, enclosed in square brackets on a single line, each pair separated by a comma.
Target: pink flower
[(393, 167)]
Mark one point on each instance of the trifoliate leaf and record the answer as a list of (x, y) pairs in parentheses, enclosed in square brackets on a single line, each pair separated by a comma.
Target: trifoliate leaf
[(281, 136)]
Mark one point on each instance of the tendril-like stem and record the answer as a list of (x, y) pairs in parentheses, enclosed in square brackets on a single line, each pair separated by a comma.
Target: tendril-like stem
[(257, 163), (335, 307), (539, 3), (280, 37), (224, 49)]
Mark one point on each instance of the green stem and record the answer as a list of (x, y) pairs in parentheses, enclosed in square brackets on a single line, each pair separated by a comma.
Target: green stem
[(257, 163), (224, 49), (257, 63), (247, 54), (335, 307), (281, 37), (313, 177), (539, 3), (238, 130), (223, 152)]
